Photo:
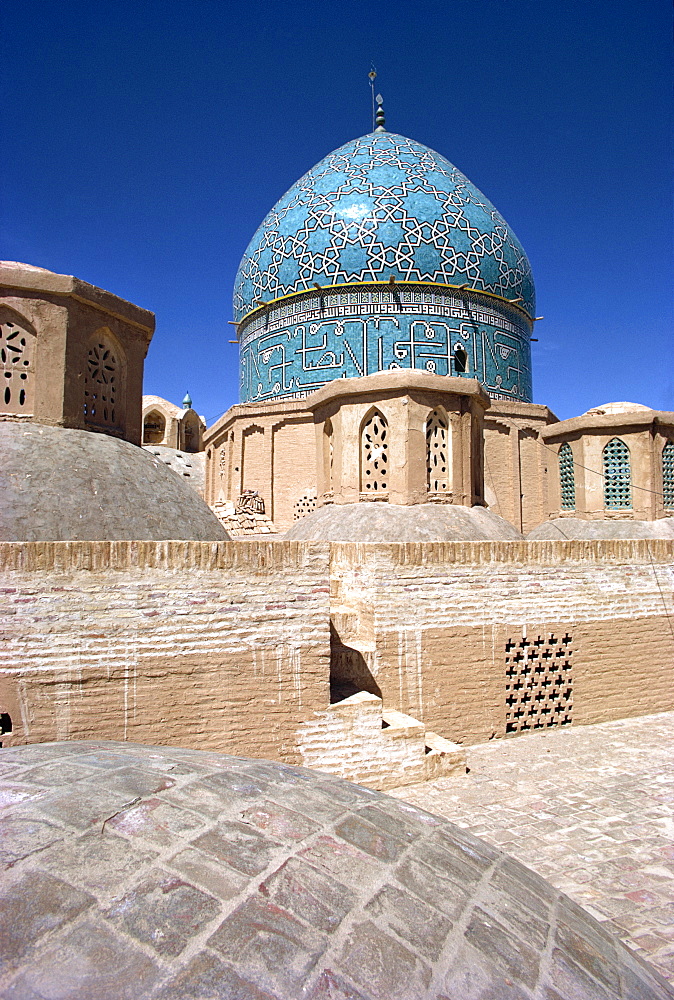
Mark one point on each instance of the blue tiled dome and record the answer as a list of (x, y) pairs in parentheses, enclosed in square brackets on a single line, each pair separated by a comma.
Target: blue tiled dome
[(378, 206)]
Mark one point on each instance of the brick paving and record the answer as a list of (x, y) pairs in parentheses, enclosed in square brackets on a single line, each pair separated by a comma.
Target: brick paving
[(591, 809), (135, 872)]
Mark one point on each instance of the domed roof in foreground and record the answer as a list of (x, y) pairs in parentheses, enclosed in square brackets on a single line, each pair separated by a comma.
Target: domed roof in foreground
[(61, 484), (167, 874), (378, 206), (387, 522)]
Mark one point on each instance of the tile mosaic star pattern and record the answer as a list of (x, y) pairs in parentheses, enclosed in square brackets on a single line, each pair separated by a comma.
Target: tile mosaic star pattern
[(382, 205)]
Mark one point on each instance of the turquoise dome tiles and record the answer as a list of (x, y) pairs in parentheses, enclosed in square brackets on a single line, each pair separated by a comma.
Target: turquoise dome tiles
[(314, 299), (295, 346), (381, 206)]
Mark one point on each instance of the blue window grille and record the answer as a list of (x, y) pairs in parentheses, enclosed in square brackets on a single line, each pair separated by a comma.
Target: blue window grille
[(617, 476), (668, 474), (566, 477)]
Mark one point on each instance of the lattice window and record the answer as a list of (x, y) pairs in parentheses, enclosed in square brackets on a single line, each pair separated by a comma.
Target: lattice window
[(437, 452), (668, 474), (374, 456), (617, 476), (17, 353), (101, 384), (566, 477), (305, 505), (539, 683)]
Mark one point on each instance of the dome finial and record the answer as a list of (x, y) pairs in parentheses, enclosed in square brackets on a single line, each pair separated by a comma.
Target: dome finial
[(372, 76), (380, 121), (187, 402)]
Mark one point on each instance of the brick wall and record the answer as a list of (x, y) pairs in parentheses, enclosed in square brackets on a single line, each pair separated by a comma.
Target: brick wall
[(227, 645), (207, 645), (432, 623)]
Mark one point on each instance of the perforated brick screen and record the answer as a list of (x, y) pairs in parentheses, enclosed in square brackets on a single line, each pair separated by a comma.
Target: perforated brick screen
[(539, 684)]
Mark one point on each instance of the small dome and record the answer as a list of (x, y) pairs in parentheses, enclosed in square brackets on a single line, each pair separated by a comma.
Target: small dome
[(387, 522), (572, 528), (157, 872), (60, 484), (614, 408), (381, 206), (18, 266)]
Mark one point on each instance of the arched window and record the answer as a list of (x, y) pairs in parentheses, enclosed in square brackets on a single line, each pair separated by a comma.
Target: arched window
[(617, 476), (17, 365), (460, 360), (190, 433), (566, 477), (668, 474), (374, 455), (437, 452), (102, 377), (154, 428)]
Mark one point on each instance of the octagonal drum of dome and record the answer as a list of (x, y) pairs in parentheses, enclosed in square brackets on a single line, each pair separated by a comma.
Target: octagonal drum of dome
[(137, 872), (384, 255)]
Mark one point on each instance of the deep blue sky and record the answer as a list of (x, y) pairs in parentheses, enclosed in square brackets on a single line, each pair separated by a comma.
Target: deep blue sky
[(144, 143)]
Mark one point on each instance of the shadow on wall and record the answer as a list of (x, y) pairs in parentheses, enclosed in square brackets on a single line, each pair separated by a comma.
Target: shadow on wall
[(349, 672)]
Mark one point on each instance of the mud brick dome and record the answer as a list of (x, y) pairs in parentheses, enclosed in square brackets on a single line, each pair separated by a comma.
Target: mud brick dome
[(385, 522), (63, 484), (148, 872), (383, 256)]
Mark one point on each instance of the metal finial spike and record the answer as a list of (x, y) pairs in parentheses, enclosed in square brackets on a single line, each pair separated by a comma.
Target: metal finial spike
[(380, 120), (372, 76)]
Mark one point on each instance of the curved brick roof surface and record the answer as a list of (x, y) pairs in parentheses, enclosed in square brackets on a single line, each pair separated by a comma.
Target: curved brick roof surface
[(145, 872), (387, 522), (60, 484), (575, 527)]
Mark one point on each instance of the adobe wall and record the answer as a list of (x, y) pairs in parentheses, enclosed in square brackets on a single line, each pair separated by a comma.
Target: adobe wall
[(645, 434), (85, 351), (269, 448), (429, 624), (518, 466), (227, 645), (207, 645)]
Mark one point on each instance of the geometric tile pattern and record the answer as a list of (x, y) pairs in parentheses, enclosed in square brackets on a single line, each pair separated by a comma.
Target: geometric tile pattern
[(299, 344), (381, 206), (539, 685)]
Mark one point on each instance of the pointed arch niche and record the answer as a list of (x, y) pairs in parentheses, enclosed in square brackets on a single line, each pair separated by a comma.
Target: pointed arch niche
[(328, 457), (567, 482), (17, 364), (668, 475), (154, 427), (438, 452), (103, 382), (374, 470), (617, 475)]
